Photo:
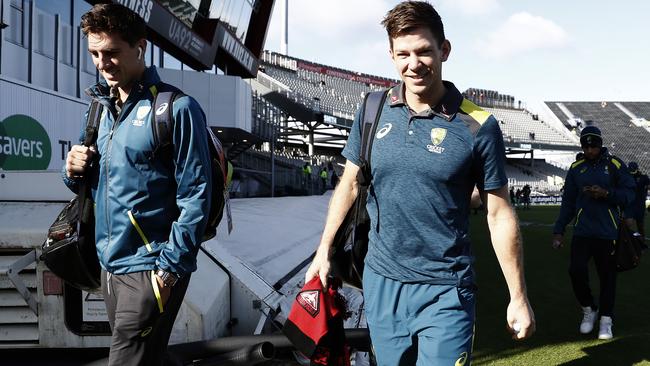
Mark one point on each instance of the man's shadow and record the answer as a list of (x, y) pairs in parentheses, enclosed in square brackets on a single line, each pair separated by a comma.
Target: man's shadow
[(622, 351)]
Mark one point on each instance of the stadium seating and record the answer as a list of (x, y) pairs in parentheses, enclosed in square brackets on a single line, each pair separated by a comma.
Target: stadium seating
[(542, 177), (518, 126), (336, 95), (621, 136)]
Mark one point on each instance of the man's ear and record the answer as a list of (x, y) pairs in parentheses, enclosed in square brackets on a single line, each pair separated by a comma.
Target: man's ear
[(446, 50), (142, 45)]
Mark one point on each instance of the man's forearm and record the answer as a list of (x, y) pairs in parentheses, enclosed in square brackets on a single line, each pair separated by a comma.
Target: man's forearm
[(342, 199), (506, 240)]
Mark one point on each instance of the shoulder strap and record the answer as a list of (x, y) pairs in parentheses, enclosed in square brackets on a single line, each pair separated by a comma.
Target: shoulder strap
[(163, 119), (85, 195), (372, 106), (92, 123)]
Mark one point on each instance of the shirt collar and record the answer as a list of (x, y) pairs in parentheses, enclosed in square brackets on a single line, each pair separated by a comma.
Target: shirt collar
[(446, 108)]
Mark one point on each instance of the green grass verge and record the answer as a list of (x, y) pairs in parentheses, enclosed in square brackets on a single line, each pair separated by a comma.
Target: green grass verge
[(557, 340)]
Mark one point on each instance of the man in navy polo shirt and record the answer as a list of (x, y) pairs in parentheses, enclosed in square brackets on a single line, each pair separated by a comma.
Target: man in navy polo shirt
[(431, 148)]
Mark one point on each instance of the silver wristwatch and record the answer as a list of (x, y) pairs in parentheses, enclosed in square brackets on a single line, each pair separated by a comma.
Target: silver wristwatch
[(168, 279)]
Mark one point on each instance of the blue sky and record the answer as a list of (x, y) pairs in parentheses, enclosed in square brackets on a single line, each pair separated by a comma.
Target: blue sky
[(534, 50)]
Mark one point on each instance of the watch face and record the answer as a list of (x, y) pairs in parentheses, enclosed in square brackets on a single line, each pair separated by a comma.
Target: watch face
[(168, 278)]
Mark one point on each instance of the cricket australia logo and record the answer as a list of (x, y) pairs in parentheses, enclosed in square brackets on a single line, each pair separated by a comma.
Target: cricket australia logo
[(309, 301), (385, 129), (437, 136)]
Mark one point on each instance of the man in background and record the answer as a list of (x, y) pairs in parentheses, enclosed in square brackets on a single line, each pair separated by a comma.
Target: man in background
[(595, 189)]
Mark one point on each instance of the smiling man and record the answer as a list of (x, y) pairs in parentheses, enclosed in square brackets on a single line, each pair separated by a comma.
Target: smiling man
[(150, 211), (430, 151)]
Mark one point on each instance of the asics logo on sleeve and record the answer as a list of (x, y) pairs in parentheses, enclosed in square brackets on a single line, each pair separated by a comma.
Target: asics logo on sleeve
[(385, 129)]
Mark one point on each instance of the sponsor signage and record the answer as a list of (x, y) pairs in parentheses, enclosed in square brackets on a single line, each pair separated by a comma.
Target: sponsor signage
[(187, 45), (229, 43), (166, 25), (24, 144), (546, 200), (339, 121)]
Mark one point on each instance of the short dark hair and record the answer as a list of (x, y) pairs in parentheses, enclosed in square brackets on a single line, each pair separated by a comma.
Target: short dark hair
[(409, 15), (114, 19)]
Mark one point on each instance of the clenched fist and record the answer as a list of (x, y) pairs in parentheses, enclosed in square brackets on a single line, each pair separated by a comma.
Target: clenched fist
[(79, 157)]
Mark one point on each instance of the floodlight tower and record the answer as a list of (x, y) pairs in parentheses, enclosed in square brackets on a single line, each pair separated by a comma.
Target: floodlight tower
[(284, 42)]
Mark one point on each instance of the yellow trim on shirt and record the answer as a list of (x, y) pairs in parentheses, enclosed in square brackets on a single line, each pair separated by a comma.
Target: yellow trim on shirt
[(154, 284), (612, 216), (474, 111), (139, 230), (577, 163)]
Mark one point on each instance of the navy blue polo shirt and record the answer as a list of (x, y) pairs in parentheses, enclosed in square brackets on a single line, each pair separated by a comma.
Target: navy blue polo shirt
[(424, 167)]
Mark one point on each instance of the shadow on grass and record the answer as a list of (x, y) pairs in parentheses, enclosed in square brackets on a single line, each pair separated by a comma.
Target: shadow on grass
[(622, 351)]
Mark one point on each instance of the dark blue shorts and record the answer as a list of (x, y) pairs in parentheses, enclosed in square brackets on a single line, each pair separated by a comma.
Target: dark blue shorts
[(422, 324)]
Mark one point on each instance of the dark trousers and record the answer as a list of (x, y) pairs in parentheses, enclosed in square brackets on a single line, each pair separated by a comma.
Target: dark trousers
[(140, 331), (582, 249)]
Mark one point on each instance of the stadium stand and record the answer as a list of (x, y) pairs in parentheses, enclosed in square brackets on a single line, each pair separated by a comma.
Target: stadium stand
[(335, 90), (520, 125), (541, 176), (624, 126)]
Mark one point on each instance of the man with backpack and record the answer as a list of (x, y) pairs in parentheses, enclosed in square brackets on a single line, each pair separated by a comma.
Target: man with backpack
[(596, 187), (431, 148), (151, 202)]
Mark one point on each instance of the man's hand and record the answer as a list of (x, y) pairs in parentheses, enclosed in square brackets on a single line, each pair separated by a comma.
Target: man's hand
[(320, 266), (520, 318), (557, 241), (78, 159), (164, 291), (596, 192)]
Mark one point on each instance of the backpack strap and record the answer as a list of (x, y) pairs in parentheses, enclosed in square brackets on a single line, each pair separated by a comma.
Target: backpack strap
[(372, 106), (92, 123), (90, 138), (162, 117), (163, 126)]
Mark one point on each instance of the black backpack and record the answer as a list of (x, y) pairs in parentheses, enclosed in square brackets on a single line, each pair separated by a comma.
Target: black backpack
[(163, 127), (351, 239), (69, 250), (628, 247)]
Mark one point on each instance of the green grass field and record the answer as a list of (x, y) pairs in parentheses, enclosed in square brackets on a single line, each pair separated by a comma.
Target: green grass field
[(557, 340)]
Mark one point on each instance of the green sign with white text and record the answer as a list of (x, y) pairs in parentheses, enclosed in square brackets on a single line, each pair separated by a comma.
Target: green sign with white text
[(24, 144)]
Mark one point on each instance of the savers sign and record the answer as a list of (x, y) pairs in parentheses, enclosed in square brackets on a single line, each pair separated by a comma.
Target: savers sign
[(24, 144)]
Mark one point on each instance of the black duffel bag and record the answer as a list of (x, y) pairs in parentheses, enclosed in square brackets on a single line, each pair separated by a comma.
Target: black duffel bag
[(69, 250), (351, 239), (628, 249)]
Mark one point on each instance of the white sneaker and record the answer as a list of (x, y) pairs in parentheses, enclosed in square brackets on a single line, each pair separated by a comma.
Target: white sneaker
[(588, 320), (605, 331)]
